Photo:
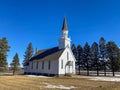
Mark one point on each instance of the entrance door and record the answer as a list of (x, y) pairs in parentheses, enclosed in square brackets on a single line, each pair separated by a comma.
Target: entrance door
[(69, 67)]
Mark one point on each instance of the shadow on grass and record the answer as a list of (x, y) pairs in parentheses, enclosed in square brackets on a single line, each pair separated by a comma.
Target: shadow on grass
[(6, 74), (10, 74)]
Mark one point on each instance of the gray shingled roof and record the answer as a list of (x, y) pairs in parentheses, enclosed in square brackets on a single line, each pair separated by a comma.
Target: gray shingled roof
[(48, 54), (64, 27)]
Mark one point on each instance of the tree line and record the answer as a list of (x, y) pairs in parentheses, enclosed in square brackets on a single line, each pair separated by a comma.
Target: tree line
[(27, 55), (15, 64), (4, 48), (99, 56), (103, 56)]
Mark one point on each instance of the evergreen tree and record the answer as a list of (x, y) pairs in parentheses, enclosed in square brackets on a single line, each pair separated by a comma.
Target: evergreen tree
[(86, 56), (113, 54), (4, 48), (102, 47), (74, 50), (94, 55), (15, 64), (79, 56), (28, 54)]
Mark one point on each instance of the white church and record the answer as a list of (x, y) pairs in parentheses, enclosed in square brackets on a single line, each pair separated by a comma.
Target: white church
[(53, 61)]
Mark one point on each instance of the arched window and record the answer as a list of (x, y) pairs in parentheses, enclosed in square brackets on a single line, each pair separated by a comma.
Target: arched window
[(67, 56), (42, 64), (49, 65), (61, 64), (32, 65), (37, 65)]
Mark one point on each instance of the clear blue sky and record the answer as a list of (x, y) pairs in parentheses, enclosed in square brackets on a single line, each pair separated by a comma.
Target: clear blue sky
[(40, 22)]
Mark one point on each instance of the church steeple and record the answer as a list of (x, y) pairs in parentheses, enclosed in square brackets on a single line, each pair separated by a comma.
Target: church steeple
[(64, 27), (64, 41)]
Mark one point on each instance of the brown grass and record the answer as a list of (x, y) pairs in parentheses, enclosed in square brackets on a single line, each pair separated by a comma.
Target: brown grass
[(32, 83)]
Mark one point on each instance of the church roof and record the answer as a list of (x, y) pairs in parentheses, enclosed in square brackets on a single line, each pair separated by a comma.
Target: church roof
[(64, 27), (48, 54)]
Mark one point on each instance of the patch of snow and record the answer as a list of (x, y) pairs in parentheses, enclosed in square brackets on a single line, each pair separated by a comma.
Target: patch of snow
[(38, 76), (117, 75), (105, 79), (59, 86), (6, 73)]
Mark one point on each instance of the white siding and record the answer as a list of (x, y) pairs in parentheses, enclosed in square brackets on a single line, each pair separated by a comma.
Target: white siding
[(53, 67), (64, 58)]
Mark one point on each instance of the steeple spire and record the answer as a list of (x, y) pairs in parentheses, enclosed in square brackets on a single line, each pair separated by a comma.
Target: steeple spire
[(64, 41), (64, 27)]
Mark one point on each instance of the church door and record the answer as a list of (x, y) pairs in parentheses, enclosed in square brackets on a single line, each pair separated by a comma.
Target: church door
[(69, 67)]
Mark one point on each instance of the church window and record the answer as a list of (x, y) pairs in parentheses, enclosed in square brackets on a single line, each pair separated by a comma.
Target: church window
[(61, 64), (37, 65), (42, 64), (67, 56), (72, 65), (32, 65), (49, 65)]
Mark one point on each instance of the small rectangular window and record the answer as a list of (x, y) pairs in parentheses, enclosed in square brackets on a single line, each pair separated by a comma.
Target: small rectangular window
[(49, 65), (42, 64)]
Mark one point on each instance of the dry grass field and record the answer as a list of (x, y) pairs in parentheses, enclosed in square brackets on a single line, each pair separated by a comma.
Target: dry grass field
[(38, 83)]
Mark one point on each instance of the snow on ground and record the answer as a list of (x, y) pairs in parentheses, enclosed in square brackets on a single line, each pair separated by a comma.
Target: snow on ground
[(117, 75), (52, 86), (5, 73), (58, 86), (105, 79), (38, 76)]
